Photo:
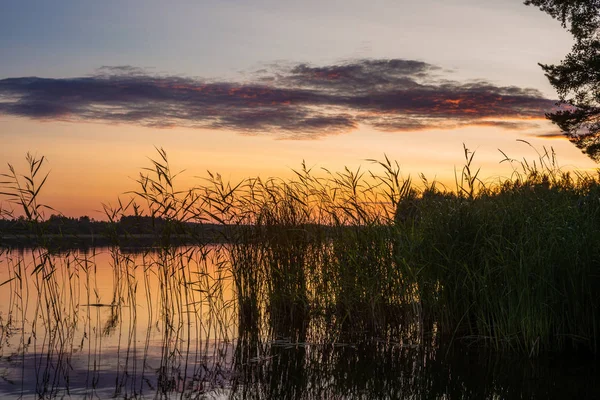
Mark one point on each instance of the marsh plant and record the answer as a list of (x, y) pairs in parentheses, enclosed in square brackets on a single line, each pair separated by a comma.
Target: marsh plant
[(511, 264), (358, 255), (163, 325)]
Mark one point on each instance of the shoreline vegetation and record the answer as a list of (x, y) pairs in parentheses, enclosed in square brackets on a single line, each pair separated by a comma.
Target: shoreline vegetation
[(513, 266)]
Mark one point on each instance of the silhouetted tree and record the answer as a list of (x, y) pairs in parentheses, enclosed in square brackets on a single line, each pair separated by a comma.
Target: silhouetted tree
[(577, 77)]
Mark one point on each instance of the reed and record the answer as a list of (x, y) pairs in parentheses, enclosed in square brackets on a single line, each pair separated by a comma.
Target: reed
[(510, 265), (56, 312)]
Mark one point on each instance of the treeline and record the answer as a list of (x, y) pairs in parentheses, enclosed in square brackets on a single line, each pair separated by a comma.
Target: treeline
[(55, 225), (131, 230), (144, 231), (140, 231)]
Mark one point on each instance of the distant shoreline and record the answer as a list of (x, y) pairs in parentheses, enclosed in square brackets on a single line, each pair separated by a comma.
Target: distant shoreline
[(68, 241)]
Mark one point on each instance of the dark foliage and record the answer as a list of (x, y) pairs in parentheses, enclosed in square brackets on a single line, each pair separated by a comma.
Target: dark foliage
[(577, 77)]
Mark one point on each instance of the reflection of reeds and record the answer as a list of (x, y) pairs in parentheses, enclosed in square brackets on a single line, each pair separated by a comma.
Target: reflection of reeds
[(375, 369), (186, 339)]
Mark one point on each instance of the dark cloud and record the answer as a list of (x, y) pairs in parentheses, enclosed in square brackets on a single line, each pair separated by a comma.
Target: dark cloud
[(420, 124), (508, 125), (551, 135), (364, 77), (298, 101)]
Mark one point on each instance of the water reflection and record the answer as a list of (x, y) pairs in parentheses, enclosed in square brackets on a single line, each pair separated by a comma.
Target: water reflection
[(163, 323), (112, 321), (375, 369)]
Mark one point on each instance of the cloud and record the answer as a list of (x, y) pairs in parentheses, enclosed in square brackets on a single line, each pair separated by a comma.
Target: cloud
[(120, 70), (297, 101), (551, 135)]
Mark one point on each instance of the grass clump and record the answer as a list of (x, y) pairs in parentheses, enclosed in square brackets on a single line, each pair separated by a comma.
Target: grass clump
[(515, 264), (512, 265)]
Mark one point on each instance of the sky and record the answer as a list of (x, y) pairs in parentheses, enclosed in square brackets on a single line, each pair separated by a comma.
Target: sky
[(254, 88)]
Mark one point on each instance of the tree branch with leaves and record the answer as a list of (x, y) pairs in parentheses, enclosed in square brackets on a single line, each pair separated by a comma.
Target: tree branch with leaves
[(577, 78)]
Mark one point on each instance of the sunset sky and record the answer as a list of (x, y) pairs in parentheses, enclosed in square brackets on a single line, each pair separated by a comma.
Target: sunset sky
[(248, 88)]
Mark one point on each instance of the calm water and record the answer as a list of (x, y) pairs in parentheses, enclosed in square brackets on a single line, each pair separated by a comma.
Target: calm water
[(116, 324)]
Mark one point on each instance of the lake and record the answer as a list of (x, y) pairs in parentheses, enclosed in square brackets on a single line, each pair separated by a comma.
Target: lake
[(167, 323)]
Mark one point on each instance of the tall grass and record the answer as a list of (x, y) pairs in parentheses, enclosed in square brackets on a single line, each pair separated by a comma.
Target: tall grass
[(512, 265), (55, 307)]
